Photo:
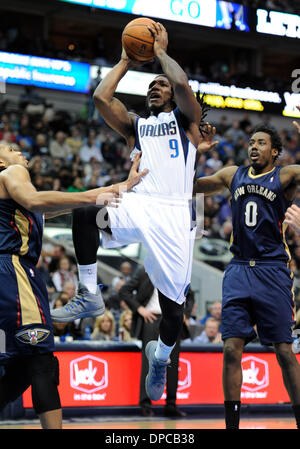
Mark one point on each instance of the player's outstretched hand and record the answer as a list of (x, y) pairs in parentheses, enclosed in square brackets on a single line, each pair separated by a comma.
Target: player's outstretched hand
[(296, 124), (108, 196), (292, 217), (160, 35), (111, 196), (206, 143), (134, 176)]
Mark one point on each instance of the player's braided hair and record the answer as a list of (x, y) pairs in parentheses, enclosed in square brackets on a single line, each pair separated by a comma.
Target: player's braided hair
[(205, 108)]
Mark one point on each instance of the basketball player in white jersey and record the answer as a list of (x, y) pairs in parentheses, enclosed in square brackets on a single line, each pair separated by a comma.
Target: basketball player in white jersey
[(157, 211)]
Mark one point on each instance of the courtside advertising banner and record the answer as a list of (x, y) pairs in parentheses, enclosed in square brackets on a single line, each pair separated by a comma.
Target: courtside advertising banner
[(44, 72), (113, 379)]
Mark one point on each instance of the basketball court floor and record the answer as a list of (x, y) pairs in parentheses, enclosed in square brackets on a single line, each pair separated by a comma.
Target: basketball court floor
[(157, 423)]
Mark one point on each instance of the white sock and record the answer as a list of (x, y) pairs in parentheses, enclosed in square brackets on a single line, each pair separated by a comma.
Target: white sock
[(88, 276), (163, 351)]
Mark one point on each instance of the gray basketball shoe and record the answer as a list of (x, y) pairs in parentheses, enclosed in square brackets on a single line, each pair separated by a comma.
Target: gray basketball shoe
[(83, 304), (157, 374)]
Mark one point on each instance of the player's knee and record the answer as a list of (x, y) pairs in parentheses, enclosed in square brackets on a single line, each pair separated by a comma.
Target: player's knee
[(285, 356), (231, 353), (44, 382)]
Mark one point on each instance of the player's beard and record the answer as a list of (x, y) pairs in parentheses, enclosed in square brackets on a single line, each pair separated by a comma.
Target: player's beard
[(258, 167)]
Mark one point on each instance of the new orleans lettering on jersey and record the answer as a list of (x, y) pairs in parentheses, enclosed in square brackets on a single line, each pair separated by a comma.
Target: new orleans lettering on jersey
[(258, 211), (254, 188), (168, 155)]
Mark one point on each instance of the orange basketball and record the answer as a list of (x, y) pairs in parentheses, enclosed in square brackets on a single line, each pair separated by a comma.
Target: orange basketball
[(137, 40)]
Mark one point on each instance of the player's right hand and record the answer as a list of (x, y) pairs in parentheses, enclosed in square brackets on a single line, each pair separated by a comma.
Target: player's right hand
[(108, 196), (160, 35), (292, 217), (206, 143), (149, 317)]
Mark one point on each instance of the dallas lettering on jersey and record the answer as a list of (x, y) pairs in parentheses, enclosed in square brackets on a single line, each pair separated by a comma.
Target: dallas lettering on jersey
[(253, 188), (162, 129)]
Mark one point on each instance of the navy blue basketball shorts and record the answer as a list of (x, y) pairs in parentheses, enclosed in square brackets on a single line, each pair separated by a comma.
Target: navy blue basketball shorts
[(258, 293), (25, 322)]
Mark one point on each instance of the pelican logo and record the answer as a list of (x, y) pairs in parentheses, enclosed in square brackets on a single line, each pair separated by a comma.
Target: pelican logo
[(32, 336)]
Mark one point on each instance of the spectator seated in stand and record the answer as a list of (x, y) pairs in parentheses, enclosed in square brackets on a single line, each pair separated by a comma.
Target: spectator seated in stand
[(126, 273), (77, 186), (63, 274), (104, 328), (215, 311), (90, 151), (125, 326), (59, 148), (210, 333), (75, 141)]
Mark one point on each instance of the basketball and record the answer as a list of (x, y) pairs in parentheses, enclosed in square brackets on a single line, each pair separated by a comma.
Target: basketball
[(137, 40)]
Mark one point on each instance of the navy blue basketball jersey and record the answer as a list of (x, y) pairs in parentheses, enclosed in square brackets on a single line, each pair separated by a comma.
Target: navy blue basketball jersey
[(258, 211), (20, 231)]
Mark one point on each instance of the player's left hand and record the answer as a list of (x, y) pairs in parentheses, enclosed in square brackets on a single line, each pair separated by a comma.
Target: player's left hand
[(292, 217), (206, 143), (160, 35), (131, 62), (296, 124)]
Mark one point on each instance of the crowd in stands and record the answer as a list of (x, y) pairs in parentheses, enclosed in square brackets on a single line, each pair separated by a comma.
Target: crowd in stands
[(232, 68), (73, 155)]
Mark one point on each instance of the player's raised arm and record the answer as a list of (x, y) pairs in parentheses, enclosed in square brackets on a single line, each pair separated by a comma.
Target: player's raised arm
[(112, 109), (183, 94), (216, 182)]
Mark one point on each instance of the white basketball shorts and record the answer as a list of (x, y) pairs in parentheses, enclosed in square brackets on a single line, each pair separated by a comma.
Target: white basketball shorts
[(163, 226)]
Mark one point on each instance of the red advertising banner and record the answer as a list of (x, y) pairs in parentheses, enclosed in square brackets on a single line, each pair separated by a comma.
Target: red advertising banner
[(113, 378)]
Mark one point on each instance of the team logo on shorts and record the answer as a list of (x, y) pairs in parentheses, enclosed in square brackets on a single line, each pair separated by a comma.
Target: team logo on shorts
[(32, 336)]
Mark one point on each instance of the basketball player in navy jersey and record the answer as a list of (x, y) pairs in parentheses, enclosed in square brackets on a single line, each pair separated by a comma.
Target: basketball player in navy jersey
[(26, 333), (156, 214), (257, 285)]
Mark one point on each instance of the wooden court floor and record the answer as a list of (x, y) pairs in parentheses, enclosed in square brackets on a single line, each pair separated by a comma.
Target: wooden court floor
[(136, 423)]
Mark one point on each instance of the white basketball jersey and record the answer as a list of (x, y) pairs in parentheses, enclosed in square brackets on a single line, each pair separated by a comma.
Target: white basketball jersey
[(168, 155)]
